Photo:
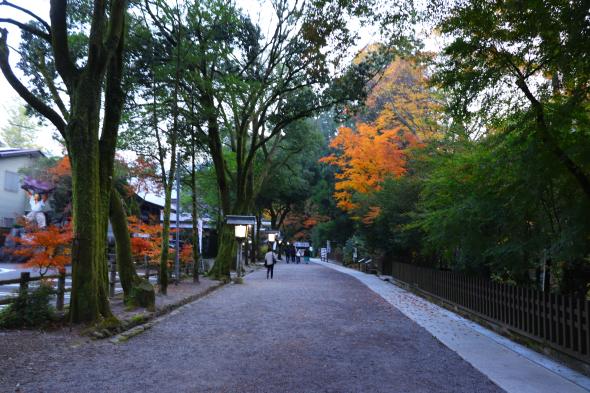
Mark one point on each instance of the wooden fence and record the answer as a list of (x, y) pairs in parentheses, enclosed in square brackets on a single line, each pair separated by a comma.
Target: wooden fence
[(557, 321), (25, 279)]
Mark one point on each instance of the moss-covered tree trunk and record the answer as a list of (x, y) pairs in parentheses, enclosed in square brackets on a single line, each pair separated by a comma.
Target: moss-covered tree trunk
[(89, 299), (169, 183), (226, 241), (226, 253), (136, 291)]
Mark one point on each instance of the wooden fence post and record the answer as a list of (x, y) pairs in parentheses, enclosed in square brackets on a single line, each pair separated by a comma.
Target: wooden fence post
[(24, 282), (61, 289)]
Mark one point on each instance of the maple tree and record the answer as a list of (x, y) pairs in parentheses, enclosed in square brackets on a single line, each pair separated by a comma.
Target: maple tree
[(400, 116), (46, 248), (365, 157), (145, 239), (186, 254), (61, 169), (299, 223), (142, 171)]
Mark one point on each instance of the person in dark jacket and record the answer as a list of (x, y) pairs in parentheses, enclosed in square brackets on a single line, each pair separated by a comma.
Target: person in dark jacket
[(270, 259)]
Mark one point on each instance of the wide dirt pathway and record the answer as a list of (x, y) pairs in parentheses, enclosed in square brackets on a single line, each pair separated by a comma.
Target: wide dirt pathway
[(311, 329)]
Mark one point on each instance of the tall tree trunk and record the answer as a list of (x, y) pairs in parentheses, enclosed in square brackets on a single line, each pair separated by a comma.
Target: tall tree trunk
[(226, 241), (195, 215), (137, 291), (91, 152), (226, 253), (89, 300), (168, 185), (166, 230)]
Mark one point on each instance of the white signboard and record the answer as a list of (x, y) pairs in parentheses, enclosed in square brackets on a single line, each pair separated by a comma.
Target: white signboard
[(301, 244)]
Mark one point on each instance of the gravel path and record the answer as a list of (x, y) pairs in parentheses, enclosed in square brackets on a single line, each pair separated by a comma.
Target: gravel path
[(311, 329)]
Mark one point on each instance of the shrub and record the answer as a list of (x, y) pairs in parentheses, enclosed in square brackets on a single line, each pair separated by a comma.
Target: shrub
[(30, 309)]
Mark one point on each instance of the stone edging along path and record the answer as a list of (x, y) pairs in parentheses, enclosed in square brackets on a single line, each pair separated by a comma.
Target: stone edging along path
[(511, 366)]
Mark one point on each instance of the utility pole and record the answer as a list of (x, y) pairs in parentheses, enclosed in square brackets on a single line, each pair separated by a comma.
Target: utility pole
[(177, 246)]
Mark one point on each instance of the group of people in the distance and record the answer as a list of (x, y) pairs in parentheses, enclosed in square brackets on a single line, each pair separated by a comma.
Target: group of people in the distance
[(292, 254)]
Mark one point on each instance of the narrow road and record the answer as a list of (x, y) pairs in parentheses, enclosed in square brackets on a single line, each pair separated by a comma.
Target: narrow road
[(310, 329)]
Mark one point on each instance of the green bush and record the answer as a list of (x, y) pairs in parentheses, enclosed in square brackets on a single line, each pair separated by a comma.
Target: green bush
[(30, 309)]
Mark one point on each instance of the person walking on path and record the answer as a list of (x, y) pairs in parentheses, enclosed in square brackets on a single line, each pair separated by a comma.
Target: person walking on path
[(299, 254), (269, 261), (306, 255)]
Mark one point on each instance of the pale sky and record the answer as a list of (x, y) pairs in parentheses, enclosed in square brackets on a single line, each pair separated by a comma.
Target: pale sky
[(8, 97)]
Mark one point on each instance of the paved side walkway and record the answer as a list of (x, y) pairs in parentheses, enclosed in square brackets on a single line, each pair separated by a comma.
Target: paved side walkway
[(510, 365)]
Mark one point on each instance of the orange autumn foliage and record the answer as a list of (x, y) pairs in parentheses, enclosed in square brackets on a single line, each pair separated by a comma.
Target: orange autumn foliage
[(47, 248), (301, 224), (373, 213), (186, 253), (140, 246), (365, 157), (146, 239), (146, 179), (401, 115), (60, 169)]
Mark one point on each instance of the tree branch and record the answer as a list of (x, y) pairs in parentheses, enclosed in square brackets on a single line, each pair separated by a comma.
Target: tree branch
[(26, 11), (552, 144), (27, 28), (59, 39), (22, 91), (51, 86), (114, 97), (116, 26), (165, 32)]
